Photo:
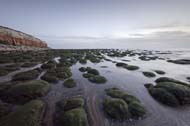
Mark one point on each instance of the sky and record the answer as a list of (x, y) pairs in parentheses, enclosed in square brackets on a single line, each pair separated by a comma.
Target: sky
[(101, 23)]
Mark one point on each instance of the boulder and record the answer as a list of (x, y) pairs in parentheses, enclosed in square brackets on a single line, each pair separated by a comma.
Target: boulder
[(30, 114)]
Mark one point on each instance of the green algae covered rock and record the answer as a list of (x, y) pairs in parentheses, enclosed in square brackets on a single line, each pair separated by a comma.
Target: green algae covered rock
[(116, 108), (28, 75), (29, 114), (164, 96), (24, 92), (148, 74), (93, 71), (170, 91), (160, 72), (97, 79), (72, 103), (69, 83), (73, 117), (87, 75), (135, 108), (131, 67)]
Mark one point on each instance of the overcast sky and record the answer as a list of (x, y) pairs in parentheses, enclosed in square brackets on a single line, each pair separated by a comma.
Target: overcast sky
[(101, 23)]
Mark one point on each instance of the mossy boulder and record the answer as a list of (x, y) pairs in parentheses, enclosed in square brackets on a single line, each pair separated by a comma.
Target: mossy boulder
[(97, 79), (72, 103), (136, 109), (93, 71), (69, 83), (49, 65), (116, 108), (24, 92), (160, 72), (131, 67), (63, 72), (170, 91), (87, 75), (73, 117), (82, 61), (117, 93), (49, 78), (120, 64), (148, 74), (181, 92), (82, 69), (167, 79), (163, 96), (28, 75), (29, 114)]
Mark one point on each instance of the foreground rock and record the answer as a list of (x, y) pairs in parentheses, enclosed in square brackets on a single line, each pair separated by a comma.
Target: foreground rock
[(71, 112), (116, 108), (29, 114), (122, 106), (24, 92), (170, 91)]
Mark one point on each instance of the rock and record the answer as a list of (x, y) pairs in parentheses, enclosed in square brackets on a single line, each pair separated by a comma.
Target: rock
[(160, 72), (28, 75), (93, 71), (72, 103), (13, 37), (121, 64), (82, 61), (180, 61), (163, 96), (87, 75), (73, 117), (117, 93), (131, 67), (24, 92), (167, 79), (49, 78), (29, 114), (116, 108), (148, 74), (97, 79), (170, 91), (136, 110), (148, 85), (181, 92), (82, 69), (69, 83)]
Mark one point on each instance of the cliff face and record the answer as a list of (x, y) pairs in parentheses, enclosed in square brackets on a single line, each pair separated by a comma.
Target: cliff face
[(13, 37)]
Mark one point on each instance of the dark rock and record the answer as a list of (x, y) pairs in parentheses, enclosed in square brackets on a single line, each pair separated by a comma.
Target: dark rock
[(148, 74), (69, 83), (29, 114)]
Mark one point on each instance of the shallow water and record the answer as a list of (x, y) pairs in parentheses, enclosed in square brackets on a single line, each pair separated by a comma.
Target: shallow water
[(129, 81)]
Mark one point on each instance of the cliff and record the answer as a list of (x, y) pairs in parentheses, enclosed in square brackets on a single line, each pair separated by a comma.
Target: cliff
[(17, 38)]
